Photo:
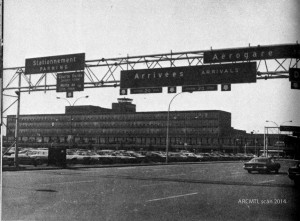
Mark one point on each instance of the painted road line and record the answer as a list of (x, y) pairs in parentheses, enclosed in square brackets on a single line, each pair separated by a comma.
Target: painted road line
[(155, 184), (178, 174), (172, 197), (267, 181), (72, 182)]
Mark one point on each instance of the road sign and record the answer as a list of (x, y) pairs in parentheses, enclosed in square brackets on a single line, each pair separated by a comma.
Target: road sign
[(70, 82), (172, 90), (146, 90), (294, 74), (199, 88), (252, 53), (295, 85), (226, 87), (189, 75), (290, 128), (60, 63), (69, 94), (123, 91)]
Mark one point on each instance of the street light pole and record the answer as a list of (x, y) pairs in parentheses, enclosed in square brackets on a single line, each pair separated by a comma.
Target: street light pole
[(168, 127), (72, 105)]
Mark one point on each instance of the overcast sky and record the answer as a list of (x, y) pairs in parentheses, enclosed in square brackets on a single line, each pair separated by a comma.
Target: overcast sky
[(107, 29)]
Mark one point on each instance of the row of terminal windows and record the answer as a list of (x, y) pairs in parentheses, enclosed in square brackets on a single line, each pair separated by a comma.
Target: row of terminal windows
[(128, 140), (133, 131), (158, 116), (195, 123)]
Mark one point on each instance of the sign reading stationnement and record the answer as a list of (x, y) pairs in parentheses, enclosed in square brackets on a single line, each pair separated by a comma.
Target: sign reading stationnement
[(252, 53), (73, 81), (189, 75), (60, 63)]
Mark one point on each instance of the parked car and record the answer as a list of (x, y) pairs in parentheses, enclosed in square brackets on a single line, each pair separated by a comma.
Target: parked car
[(139, 157), (294, 173), (40, 155), (177, 157), (23, 159), (107, 157), (156, 156), (77, 157), (191, 157), (123, 157), (262, 164)]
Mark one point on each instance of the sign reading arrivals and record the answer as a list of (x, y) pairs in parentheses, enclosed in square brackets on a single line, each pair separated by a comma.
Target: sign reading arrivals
[(252, 53), (189, 75), (60, 63)]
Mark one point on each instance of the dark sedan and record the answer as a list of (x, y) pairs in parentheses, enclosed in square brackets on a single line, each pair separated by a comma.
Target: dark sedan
[(294, 173), (262, 164)]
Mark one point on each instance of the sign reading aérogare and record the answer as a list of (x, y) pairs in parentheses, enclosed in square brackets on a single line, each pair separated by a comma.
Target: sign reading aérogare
[(60, 63), (189, 75), (252, 53)]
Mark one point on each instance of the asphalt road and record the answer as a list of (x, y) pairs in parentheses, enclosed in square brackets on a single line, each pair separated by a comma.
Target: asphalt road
[(211, 191)]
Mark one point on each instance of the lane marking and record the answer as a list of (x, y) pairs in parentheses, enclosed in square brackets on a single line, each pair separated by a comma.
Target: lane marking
[(71, 182), (172, 197), (178, 174), (124, 168), (237, 172), (155, 184), (267, 181)]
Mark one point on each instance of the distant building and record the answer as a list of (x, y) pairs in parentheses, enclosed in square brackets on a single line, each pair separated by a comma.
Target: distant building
[(123, 127)]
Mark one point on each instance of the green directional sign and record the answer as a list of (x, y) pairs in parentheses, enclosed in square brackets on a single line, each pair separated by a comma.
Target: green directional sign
[(146, 90), (199, 88)]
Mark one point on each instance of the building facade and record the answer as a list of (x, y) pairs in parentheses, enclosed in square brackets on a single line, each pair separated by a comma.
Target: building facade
[(121, 127)]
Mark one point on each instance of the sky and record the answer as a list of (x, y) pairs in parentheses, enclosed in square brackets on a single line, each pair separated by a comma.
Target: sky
[(117, 28)]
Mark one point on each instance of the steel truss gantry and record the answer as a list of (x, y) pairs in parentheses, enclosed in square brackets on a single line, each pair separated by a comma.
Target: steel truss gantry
[(105, 72)]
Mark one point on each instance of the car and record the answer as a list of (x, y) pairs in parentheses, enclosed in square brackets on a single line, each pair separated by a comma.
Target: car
[(123, 157), (294, 173), (78, 157), (154, 156), (177, 157), (23, 159), (40, 155), (139, 157), (262, 164)]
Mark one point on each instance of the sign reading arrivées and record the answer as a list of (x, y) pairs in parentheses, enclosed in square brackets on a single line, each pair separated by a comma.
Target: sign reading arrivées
[(189, 75)]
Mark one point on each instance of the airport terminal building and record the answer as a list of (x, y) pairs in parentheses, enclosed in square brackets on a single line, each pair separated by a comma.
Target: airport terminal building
[(121, 127)]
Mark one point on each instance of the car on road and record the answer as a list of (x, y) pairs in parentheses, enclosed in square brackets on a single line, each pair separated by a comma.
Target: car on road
[(262, 164), (294, 173)]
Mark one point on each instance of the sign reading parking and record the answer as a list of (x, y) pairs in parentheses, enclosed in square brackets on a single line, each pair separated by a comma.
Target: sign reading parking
[(146, 90), (189, 75), (199, 88), (73, 81), (61, 63)]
